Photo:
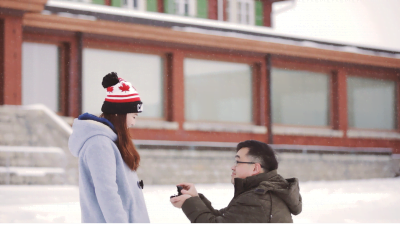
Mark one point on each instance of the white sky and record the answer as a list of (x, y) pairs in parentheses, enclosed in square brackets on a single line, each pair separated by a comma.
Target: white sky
[(372, 23)]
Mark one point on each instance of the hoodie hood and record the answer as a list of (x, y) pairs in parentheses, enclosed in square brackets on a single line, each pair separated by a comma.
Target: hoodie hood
[(286, 189), (87, 126)]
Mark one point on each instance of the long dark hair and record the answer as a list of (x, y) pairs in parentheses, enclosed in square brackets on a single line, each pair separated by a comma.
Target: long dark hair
[(124, 140)]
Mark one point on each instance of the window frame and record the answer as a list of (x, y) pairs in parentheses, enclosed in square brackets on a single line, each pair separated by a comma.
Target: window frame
[(306, 65), (64, 45), (258, 82), (377, 74), (92, 43), (129, 4), (233, 12)]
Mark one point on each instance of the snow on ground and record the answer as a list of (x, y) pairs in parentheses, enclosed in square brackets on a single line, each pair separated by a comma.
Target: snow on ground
[(356, 201)]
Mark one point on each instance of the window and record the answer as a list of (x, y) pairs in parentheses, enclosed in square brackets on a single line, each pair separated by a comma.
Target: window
[(300, 97), (135, 4), (371, 103), (241, 11), (185, 7), (217, 91), (40, 75), (144, 71)]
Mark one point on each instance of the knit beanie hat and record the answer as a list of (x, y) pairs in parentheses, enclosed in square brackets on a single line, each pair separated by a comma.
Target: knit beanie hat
[(122, 97)]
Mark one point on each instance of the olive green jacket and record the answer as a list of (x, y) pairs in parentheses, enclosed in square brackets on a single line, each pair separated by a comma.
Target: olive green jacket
[(266, 197)]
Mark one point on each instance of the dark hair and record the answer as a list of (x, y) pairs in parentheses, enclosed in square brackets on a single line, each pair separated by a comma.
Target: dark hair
[(124, 141), (261, 152)]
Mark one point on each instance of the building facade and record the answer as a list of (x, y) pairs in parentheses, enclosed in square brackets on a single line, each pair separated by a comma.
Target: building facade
[(207, 71)]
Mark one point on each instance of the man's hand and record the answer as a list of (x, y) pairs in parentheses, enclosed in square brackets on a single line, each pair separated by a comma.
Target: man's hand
[(179, 200), (188, 188)]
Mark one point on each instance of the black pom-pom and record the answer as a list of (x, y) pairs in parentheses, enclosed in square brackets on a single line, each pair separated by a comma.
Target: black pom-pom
[(110, 80)]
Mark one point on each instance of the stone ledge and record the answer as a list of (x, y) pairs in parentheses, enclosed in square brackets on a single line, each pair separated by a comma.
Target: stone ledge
[(353, 133), (332, 157), (324, 132), (156, 124), (223, 127)]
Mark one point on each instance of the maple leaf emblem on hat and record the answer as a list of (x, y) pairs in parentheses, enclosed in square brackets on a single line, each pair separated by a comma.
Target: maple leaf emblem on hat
[(110, 89), (124, 87)]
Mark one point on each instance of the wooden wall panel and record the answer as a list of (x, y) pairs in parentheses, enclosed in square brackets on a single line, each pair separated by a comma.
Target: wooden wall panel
[(268, 101), (267, 9), (334, 100), (397, 104), (213, 9), (160, 6), (338, 142), (11, 57), (342, 101), (181, 135), (256, 93), (165, 35), (23, 5), (225, 15), (176, 96), (264, 95)]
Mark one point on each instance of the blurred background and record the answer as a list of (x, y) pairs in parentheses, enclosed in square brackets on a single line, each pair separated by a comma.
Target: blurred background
[(318, 80)]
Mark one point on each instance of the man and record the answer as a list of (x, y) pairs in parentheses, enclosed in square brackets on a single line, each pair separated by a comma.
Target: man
[(261, 194)]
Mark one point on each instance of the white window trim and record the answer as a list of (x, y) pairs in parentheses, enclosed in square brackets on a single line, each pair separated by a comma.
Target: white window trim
[(304, 131), (224, 127), (220, 10), (355, 133), (234, 11), (144, 123), (128, 4), (192, 7)]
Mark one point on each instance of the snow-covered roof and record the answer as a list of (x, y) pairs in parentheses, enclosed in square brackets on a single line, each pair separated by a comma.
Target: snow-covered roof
[(203, 26)]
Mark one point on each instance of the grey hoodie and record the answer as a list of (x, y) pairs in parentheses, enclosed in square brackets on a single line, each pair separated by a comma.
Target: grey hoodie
[(109, 191)]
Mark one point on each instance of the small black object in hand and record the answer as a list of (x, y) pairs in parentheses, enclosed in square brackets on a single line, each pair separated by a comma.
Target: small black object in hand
[(179, 191)]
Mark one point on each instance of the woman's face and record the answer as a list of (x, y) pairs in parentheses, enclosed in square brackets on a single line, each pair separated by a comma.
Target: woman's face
[(131, 119)]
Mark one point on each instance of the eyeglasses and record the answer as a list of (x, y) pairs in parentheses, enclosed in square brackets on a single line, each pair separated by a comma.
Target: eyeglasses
[(247, 162)]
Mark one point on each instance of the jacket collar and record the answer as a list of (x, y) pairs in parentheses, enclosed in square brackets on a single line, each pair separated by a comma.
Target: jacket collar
[(243, 185), (87, 116)]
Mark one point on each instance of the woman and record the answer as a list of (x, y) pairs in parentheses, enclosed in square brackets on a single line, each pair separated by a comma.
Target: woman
[(109, 187)]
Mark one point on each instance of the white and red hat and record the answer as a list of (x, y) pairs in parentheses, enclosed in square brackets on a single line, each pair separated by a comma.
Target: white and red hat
[(122, 97)]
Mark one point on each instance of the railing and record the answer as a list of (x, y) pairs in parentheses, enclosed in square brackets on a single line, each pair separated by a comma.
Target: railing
[(33, 171)]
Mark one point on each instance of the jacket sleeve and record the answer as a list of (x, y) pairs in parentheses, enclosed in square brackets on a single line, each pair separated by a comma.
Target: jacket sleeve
[(210, 207), (101, 162), (244, 210)]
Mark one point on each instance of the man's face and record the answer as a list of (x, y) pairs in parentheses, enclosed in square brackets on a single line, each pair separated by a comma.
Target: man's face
[(242, 170)]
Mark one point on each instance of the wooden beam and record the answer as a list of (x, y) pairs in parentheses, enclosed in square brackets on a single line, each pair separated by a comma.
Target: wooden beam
[(10, 60), (76, 76), (24, 5), (175, 88), (397, 104), (213, 9), (342, 101), (268, 88), (63, 78), (267, 10), (166, 35), (334, 101), (160, 6)]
